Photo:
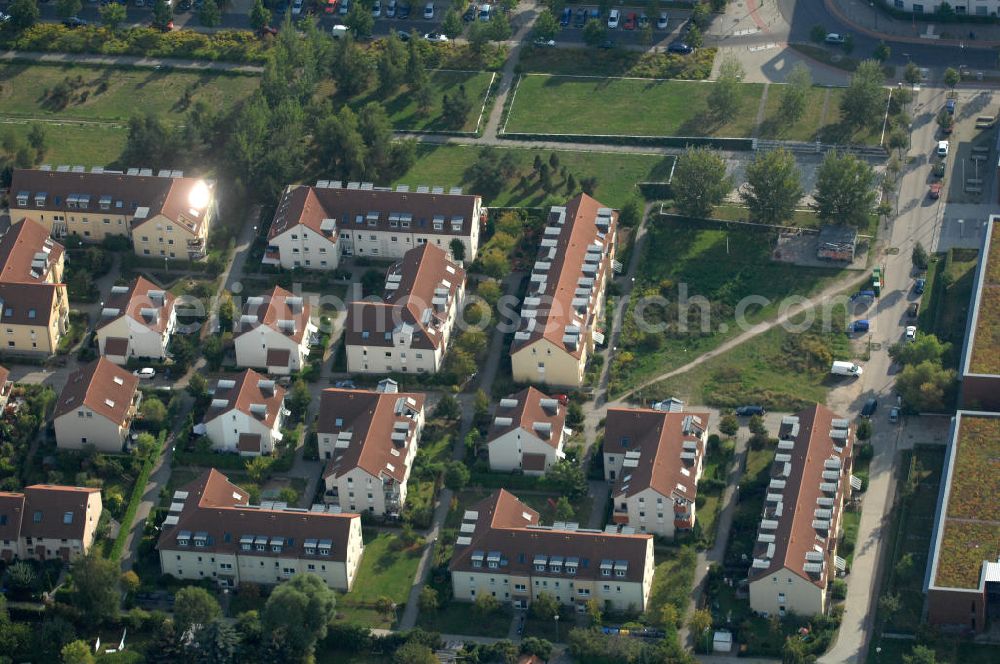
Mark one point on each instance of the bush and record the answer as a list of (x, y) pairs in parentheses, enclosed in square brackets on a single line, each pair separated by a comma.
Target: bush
[(839, 589)]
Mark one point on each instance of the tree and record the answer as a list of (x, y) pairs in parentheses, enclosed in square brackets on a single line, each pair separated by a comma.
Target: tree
[(499, 27), (452, 24), (567, 478), (149, 141), (197, 386), (457, 249), (77, 652), (546, 26), (194, 607), (795, 94), (97, 593), (925, 386), (864, 429), (259, 15), (888, 605), (845, 190), (544, 607), (594, 614), (919, 256), (153, 411), (898, 139), (456, 476), (925, 348), (594, 32), (724, 97), (447, 408), (455, 108), (209, 15), (701, 621), (564, 510), (299, 399), (429, 600), (21, 575), (385, 606), (359, 19), (700, 182), (130, 582), (864, 101), (694, 38), (952, 77), (67, 8), (920, 655), (541, 648), (112, 15), (729, 425), (757, 426), (218, 642), (23, 14), (882, 52), (161, 12), (631, 214), (773, 189), (300, 610), (912, 73), (794, 652), (413, 652)]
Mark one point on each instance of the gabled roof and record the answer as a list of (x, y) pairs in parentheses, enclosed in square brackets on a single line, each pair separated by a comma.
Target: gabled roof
[(653, 444), (218, 511), (378, 209), (503, 524), (140, 197), (247, 393), (27, 253), (280, 310), (808, 441), (142, 301), (101, 386), (530, 410), (419, 291), (582, 224), (372, 430), (56, 512)]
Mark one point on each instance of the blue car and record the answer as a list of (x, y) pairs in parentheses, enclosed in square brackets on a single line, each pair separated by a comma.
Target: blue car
[(567, 16), (919, 286), (860, 326)]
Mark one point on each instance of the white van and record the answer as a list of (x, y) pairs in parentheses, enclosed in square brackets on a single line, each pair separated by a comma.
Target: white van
[(339, 31), (846, 369), (484, 12), (942, 149)]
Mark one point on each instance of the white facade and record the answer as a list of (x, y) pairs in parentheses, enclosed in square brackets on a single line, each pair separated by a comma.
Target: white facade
[(975, 7), (401, 356), (301, 246), (394, 243), (143, 341), (225, 430), (83, 426), (651, 512), (507, 449), (783, 591), (253, 346)]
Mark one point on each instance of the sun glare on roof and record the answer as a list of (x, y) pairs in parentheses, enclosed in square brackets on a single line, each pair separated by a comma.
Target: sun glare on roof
[(199, 196)]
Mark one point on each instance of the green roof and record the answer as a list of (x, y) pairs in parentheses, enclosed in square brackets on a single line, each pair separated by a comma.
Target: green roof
[(985, 356)]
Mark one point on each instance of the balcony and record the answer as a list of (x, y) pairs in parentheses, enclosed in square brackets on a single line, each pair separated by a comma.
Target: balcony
[(272, 256), (196, 248)]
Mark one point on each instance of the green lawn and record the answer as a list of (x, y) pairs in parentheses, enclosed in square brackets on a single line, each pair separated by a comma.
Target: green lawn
[(618, 62), (821, 120), (804, 218), (722, 266), (565, 105), (402, 106), (384, 571), (87, 145), (672, 582), (617, 174), (455, 617), (113, 93)]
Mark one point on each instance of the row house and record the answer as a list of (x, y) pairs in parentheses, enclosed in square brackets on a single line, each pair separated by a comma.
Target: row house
[(369, 441), (165, 215), (274, 332), (212, 532), (502, 551), (795, 552), (654, 460), (48, 522), (96, 407), (528, 433), (408, 329), (245, 415), (34, 306), (564, 303), (137, 321), (313, 226)]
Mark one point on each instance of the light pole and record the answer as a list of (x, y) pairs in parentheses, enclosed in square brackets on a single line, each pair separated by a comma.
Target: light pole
[(961, 228), (556, 618), (875, 12)]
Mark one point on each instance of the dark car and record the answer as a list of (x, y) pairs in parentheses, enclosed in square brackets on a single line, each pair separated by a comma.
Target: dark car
[(403, 11), (679, 47), (184, 5), (748, 411), (74, 22), (403, 35), (950, 106), (470, 14), (869, 408), (581, 18), (912, 310), (919, 285), (607, 43), (567, 16)]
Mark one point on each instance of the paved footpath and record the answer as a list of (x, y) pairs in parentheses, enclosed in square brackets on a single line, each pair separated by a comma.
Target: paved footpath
[(128, 61)]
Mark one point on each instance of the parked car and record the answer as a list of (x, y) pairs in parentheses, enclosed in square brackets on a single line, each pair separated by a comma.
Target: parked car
[(949, 106), (541, 42), (429, 11), (470, 13), (595, 14), (835, 38), (296, 7), (679, 47), (934, 190), (581, 18), (749, 411), (911, 333), (377, 9), (919, 285), (75, 22), (662, 21), (390, 9), (643, 20), (942, 149), (146, 373), (404, 11), (403, 35), (345, 384), (606, 44), (913, 310), (185, 5), (861, 326), (485, 12), (869, 408), (630, 21), (567, 16), (344, 7), (613, 19), (436, 37), (561, 398), (894, 415)]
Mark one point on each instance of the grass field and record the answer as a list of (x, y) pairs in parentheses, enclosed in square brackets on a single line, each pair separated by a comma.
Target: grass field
[(563, 105), (402, 106), (802, 218), (113, 93), (617, 174), (618, 62), (384, 571), (672, 582), (88, 145)]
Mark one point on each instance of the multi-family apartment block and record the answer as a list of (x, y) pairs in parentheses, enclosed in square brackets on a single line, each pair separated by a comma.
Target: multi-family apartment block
[(795, 554), (502, 551), (34, 308), (274, 332), (409, 328), (314, 225), (246, 414), (654, 460), (528, 433), (213, 532), (165, 215), (48, 522), (369, 440), (96, 407), (979, 371), (136, 321), (563, 307)]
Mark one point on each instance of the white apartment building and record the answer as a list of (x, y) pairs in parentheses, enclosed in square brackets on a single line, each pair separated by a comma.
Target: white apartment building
[(96, 407), (502, 551), (409, 328), (654, 460), (527, 433), (213, 532), (136, 321), (245, 415), (974, 7), (274, 333), (369, 441)]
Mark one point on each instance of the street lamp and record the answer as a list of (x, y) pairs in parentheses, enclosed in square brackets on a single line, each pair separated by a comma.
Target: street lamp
[(556, 618), (961, 228), (874, 11)]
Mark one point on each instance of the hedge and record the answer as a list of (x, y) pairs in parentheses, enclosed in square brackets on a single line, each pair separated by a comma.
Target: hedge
[(735, 144), (137, 492)]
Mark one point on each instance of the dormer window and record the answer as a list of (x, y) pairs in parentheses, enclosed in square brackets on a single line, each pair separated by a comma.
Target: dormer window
[(22, 198)]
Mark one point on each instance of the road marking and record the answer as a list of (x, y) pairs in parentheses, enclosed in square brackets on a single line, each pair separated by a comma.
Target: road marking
[(762, 47), (747, 31)]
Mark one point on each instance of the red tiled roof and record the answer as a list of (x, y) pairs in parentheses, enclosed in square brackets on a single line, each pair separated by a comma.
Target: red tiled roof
[(370, 418), (17, 253), (101, 386), (529, 411), (300, 205), (421, 272), (248, 388), (142, 301), (278, 305)]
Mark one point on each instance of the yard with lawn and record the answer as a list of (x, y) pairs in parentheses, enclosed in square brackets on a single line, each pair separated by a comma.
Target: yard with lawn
[(387, 570), (803, 218), (68, 143), (620, 106), (617, 62), (945, 304), (616, 174), (723, 267), (672, 582), (820, 121)]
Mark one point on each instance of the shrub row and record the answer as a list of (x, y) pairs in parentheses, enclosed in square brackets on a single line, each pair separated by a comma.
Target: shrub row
[(137, 492), (735, 144)]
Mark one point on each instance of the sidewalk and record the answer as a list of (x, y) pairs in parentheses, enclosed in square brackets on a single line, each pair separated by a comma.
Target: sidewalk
[(128, 60), (878, 24)]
